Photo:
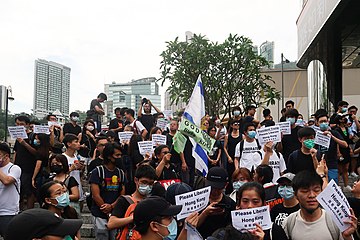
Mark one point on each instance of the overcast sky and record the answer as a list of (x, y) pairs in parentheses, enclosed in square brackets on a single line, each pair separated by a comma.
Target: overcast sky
[(106, 41)]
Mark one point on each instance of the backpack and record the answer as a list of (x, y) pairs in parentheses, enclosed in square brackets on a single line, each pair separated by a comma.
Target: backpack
[(15, 183), (128, 232), (291, 219), (101, 173)]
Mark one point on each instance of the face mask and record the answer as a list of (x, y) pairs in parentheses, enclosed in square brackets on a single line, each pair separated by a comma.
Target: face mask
[(75, 119), (299, 121), (251, 134), (286, 192), (309, 143), (344, 109), (172, 228), (291, 120), (324, 126), (56, 169), (237, 185), (144, 189), (63, 200), (36, 143), (90, 128), (236, 113)]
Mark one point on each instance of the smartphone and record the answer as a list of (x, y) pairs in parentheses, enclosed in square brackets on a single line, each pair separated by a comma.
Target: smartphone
[(221, 205)]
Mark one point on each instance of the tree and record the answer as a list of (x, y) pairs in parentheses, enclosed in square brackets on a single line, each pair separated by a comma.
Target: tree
[(230, 72)]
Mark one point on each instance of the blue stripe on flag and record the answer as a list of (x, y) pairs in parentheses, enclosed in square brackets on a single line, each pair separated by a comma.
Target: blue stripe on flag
[(188, 117)]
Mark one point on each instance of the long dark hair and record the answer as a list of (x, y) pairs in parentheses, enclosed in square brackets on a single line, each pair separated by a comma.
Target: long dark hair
[(257, 187), (44, 147), (84, 127)]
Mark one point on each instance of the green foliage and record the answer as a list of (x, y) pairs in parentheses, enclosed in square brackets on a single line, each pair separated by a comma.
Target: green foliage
[(230, 72)]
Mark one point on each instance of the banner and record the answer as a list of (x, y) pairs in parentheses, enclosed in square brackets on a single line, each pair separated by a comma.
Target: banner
[(158, 139), (245, 219), (125, 136), (322, 139), (202, 138), (161, 123), (41, 129), (145, 147), (167, 183), (268, 134), (285, 127)]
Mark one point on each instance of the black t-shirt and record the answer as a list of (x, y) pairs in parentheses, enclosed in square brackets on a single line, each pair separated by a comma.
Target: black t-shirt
[(279, 213), (213, 154), (94, 163), (69, 182), (213, 222), (298, 161), (94, 114), (355, 205), (290, 143), (24, 159), (167, 173), (70, 128), (331, 152), (272, 197), (114, 124), (44, 159), (89, 143), (148, 121), (332, 118)]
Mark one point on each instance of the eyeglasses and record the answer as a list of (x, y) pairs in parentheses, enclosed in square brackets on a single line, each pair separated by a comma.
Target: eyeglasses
[(166, 152), (236, 123)]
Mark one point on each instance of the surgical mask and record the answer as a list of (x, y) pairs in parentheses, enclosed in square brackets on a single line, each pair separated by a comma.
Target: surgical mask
[(252, 134), (344, 109), (36, 142), (299, 121), (286, 192), (309, 143), (236, 113), (56, 169), (90, 128), (172, 228), (63, 200), (291, 120), (144, 189), (237, 185), (324, 126), (75, 119)]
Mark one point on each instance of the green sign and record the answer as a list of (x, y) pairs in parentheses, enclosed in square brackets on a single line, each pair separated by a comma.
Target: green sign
[(202, 138), (179, 142)]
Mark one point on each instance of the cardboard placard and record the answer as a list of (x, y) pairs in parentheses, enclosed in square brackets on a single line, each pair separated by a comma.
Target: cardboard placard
[(333, 200), (268, 134), (322, 139), (158, 139), (245, 219), (285, 127), (41, 129), (192, 201), (168, 114), (161, 123), (125, 136), (145, 147), (17, 132)]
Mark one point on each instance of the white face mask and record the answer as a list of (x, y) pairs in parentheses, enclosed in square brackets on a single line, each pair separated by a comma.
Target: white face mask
[(90, 128)]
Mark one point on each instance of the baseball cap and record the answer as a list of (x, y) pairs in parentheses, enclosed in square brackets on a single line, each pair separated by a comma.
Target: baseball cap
[(38, 222), (150, 208), (287, 176), (5, 148), (217, 177), (176, 189)]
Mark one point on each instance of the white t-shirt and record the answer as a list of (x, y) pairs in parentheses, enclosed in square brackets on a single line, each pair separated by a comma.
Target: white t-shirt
[(76, 175), (139, 126), (247, 156), (277, 165), (310, 230), (9, 195)]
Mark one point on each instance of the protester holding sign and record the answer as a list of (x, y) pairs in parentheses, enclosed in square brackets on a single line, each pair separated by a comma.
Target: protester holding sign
[(165, 170), (215, 153)]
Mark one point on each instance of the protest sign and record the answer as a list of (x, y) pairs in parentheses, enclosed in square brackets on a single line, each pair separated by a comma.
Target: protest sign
[(333, 200), (158, 139), (168, 114), (191, 232), (285, 127), (145, 147), (167, 183), (179, 141), (50, 123), (245, 219), (316, 128), (125, 136), (161, 123), (202, 138), (192, 201), (322, 139), (17, 132), (268, 134), (41, 129)]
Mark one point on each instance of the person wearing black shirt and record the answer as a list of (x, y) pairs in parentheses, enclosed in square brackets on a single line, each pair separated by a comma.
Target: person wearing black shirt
[(164, 169), (342, 108), (175, 157), (117, 124), (304, 158), (101, 141), (146, 118), (72, 126), (187, 164), (96, 110)]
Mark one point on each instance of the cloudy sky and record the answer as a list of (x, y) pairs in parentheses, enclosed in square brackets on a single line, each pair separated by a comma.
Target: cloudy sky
[(112, 40)]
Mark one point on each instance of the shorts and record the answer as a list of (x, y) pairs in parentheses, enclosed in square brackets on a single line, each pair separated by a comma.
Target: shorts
[(352, 146), (26, 188)]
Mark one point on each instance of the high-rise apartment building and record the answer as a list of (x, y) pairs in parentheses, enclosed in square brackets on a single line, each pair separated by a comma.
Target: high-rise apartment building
[(130, 94), (51, 88), (267, 51)]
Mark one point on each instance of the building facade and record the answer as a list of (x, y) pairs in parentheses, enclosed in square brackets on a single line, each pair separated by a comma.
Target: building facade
[(130, 95), (266, 50), (173, 107), (51, 88)]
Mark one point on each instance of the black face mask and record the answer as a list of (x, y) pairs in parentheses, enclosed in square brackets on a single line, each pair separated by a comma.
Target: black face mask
[(56, 169)]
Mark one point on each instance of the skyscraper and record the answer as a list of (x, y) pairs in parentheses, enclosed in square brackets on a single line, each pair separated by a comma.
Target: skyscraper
[(51, 88), (267, 51)]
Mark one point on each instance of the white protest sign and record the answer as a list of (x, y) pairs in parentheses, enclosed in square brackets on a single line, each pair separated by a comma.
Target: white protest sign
[(17, 132), (161, 123), (192, 232), (50, 123), (316, 128), (268, 134), (192, 201), (158, 139), (285, 127), (245, 219), (333, 200), (168, 114), (322, 139), (145, 147), (41, 129), (125, 136)]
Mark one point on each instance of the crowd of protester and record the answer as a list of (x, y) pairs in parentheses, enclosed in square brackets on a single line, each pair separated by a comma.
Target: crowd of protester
[(132, 195)]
